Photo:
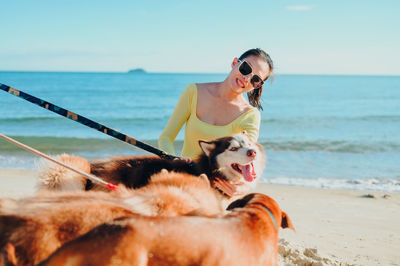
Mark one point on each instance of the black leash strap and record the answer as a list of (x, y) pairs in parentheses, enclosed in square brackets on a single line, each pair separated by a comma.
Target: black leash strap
[(85, 121)]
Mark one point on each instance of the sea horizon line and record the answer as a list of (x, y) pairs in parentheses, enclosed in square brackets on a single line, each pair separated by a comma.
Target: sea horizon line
[(190, 73)]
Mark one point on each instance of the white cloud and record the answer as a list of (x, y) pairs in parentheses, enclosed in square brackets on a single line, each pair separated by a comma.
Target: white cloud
[(299, 8)]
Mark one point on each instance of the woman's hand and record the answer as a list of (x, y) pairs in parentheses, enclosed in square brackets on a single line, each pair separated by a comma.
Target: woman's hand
[(231, 188)]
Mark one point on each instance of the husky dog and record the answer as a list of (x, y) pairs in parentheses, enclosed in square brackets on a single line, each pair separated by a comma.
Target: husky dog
[(234, 158)]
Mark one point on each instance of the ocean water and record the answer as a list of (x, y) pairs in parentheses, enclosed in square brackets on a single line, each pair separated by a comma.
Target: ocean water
[(319, 131)]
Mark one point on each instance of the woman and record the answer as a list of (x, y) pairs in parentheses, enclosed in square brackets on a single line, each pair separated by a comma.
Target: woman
[(213, 110)]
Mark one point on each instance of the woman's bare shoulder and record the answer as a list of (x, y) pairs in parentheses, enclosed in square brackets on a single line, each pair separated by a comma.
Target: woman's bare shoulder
[(248, 107)]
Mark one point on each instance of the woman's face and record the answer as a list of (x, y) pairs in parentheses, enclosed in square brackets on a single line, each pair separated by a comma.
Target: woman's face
[(242, 82)]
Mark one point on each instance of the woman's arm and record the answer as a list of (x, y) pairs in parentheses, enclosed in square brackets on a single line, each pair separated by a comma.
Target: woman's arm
[(178, 118)]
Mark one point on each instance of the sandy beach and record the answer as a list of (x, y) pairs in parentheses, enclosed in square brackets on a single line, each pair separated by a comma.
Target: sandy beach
[(333, 227)]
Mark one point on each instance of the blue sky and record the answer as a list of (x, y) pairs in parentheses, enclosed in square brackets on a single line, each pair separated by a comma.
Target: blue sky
[(302, 36)]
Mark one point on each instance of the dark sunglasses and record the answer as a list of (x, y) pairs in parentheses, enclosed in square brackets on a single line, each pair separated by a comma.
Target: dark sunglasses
[(245, 69)]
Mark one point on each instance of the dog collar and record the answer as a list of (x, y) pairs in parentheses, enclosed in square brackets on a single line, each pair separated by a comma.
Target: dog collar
[(271, 215)]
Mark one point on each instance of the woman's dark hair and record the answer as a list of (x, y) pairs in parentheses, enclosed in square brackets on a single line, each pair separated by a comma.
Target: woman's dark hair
[(255, 95)]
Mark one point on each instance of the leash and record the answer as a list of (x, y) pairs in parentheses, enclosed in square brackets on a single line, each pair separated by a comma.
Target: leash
[(85, 121), (87, 175)]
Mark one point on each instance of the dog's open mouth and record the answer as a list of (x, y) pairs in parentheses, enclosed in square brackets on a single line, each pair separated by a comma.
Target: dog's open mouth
[(246, 170)]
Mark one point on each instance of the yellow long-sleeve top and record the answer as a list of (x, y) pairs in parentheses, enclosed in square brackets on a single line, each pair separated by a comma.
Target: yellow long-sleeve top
[(195, 129)]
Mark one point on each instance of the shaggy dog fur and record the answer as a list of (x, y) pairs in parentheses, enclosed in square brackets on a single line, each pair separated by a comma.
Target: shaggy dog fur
[(246, 236), (32, 228)]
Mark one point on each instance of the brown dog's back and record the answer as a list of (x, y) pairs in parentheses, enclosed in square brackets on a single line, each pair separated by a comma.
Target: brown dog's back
[(32, 228), (178, 194), (38, 226), (247, 236)]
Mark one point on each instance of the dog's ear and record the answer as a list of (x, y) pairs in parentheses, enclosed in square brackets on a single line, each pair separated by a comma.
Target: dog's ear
[(240, 203), (207, 147), (286, 222), (205, 178)]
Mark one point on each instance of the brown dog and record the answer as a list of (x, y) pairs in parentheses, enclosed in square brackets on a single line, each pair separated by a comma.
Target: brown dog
[(32, 228), (246, 236)]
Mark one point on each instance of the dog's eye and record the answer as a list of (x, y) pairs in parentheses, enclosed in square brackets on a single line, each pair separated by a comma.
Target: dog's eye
[(234, 149)]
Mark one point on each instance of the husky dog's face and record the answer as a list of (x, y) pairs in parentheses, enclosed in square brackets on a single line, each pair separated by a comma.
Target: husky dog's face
[(237, 157)]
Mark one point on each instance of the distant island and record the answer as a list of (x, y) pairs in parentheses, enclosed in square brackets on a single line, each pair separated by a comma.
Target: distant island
[(137, 71)]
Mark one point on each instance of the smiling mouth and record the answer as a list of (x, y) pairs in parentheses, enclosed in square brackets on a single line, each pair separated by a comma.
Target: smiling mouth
[(239, 83), (246, 170)]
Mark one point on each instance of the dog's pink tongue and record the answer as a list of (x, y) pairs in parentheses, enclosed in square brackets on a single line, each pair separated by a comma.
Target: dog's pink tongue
[(248, 172)]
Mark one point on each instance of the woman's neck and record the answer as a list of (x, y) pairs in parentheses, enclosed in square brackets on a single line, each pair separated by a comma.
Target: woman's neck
[(224, 90)]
